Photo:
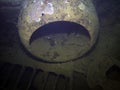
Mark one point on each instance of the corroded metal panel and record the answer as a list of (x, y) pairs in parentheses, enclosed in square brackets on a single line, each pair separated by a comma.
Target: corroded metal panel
[(38, 13)]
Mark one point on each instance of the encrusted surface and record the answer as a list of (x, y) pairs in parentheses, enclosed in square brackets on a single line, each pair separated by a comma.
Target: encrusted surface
[(107, 49), (36, 13), (60, 47)]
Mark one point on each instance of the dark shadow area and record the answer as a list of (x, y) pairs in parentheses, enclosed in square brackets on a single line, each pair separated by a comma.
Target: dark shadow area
[(59, 27), (79, 81), (97, 87), (15, 76), (113, 73)]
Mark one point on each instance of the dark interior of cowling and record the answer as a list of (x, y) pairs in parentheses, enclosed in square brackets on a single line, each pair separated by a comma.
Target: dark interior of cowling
[(18, 71), (59, 27)]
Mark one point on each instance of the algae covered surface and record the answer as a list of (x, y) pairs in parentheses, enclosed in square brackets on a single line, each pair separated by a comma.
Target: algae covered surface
[(92, 67), (39, 13), (60, 47)]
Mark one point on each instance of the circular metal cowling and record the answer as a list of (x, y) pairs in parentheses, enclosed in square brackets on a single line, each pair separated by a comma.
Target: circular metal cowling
[(58, 30)]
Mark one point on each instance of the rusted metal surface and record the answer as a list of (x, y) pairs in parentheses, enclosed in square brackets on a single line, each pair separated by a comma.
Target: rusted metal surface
[(37, 13), (99, 69), (96, 67)]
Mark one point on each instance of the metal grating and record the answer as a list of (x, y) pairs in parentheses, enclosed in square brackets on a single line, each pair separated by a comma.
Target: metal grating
[(18, 77)]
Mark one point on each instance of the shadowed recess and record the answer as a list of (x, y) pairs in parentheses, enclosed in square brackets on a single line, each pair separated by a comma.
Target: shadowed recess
[(113, 73), (59, 27)]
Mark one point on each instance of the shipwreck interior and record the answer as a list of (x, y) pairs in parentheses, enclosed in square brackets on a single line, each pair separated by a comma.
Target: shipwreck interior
[(53, 58)]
